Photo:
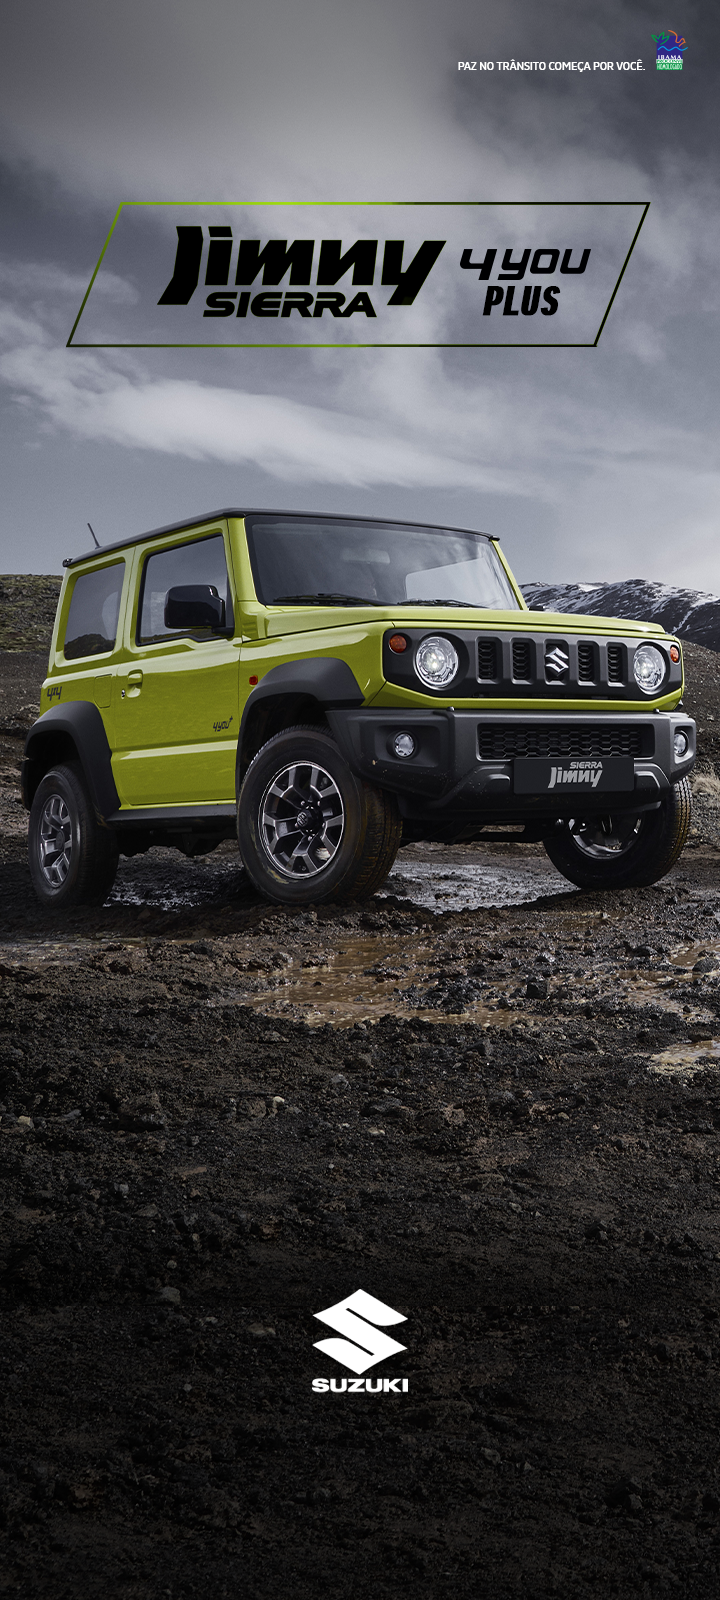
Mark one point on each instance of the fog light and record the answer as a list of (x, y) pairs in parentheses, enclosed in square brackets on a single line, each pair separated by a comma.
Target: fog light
[(403, 744), (681, 744)]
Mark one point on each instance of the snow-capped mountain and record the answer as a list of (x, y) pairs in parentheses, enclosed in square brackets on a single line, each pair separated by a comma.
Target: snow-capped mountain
[(686, 612)]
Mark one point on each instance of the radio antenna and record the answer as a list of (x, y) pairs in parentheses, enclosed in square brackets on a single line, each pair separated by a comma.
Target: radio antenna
[(97, 541)]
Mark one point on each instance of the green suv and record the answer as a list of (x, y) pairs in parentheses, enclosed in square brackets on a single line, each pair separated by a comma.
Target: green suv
[(328, 688)]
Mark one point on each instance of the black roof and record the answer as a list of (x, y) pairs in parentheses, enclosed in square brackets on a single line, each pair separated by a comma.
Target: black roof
[(258, 511)]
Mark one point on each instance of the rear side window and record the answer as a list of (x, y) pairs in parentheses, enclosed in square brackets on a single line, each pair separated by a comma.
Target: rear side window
[(94, 610), (200, 564)]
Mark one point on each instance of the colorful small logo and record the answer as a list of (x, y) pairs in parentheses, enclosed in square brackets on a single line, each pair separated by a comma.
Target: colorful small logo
[(669, 50)]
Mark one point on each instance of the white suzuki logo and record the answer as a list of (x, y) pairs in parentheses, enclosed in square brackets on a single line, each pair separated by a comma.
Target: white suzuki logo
[(557, 662), (358, 1318)]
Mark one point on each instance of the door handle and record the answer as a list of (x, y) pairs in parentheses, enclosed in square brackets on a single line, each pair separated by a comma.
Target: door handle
[(135, 678)]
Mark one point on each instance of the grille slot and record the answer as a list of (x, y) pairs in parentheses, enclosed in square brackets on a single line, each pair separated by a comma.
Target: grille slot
[(488, 667), (616, 664), (522, 660), (586, 663), (502, 741)]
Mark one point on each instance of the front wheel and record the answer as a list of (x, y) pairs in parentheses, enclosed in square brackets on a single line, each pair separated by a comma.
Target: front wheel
[(624, 851), (73, 860), (308, 829)]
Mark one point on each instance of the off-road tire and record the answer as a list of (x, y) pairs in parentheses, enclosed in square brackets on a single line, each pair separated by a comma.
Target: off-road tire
[(83, 872), (362, 826), (647, 856)]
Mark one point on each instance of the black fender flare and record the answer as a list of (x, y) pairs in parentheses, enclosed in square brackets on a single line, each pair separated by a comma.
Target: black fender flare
[(327, 679), (82, 722)]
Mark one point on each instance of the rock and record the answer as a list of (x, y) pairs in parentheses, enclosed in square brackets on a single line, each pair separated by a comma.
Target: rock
[(141, 1122), (380, 1108), (454, 1116), (259, 1331), (253, 1108), (623, 1492), (169, 1295), (502, 1100), (10, 1057), (536, 989)]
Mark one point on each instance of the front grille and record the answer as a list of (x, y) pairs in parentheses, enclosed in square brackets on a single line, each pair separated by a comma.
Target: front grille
[(522, 654), (616, 663), (502, 741), (488, 665), (586, 663)]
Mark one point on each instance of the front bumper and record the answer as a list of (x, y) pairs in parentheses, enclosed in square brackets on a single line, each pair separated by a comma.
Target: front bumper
[(465, 761)]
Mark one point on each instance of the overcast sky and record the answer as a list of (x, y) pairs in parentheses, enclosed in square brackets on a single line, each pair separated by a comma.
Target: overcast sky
[(590, 464)]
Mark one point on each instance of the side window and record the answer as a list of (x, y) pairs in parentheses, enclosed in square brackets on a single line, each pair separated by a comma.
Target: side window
[(199, 566), (94, 611)]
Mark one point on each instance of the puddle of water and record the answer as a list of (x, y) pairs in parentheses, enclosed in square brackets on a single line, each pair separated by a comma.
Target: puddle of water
[(175, 884), (679, 1059), (684, 956), (472, 887), (342, 991)]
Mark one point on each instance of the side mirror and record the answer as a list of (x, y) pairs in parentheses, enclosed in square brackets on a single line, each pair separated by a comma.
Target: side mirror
[(194, 606)]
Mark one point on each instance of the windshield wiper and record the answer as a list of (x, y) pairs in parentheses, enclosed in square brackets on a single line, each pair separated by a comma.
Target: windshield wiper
[(471, 605), (321, 599)]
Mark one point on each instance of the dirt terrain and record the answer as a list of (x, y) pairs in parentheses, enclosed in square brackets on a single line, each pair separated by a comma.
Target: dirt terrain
[(219, 1118)]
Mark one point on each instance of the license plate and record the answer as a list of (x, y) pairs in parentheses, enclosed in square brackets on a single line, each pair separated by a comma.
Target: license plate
[(584, 775)]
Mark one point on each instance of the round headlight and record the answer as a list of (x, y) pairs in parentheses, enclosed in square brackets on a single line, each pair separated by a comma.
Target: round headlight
[(680, 744), (649, 668), (436, 662)]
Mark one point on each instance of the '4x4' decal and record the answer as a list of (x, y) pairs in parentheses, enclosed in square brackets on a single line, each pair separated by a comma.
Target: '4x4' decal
[(220, 726)]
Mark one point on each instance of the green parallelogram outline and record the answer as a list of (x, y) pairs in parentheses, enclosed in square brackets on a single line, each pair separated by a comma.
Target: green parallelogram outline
[(485, 344)]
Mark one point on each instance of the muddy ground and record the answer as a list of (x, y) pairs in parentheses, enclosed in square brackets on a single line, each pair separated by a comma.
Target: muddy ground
[(219, 1117)]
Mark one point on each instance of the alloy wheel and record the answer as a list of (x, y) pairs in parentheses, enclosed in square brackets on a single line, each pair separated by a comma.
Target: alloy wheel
[(55, 841), (606, 837), (302, 820)]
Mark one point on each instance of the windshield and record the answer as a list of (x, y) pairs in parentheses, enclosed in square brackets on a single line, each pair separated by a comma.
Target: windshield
[(374, 563)]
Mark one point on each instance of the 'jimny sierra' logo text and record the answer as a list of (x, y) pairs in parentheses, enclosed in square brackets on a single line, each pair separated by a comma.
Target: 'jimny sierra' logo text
[(276, 259), (587, 773)]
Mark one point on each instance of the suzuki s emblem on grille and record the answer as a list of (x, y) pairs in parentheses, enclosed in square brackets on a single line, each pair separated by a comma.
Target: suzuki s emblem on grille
[(557, 663)]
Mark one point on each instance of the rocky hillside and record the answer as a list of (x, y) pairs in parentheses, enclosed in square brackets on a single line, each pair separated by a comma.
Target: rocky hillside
[(27, 611), (686, 612)]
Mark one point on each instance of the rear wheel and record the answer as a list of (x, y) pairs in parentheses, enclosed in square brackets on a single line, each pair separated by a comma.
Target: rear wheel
[(624, 851), (308, 829), (73, 860)]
